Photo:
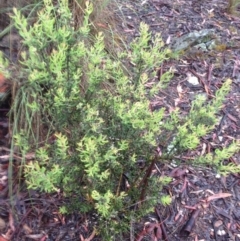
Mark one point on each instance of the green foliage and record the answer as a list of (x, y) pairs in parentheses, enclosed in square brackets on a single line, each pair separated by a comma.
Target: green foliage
[(3, 66), (219, 156), (166, 200), (45, 180), (201, 120), (97, 108)]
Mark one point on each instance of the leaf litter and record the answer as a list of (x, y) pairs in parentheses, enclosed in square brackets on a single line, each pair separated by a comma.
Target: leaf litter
[(198, 71)]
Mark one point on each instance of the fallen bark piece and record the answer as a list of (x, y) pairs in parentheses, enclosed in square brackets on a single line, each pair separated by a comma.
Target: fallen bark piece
[(187, 229), (218, 195)]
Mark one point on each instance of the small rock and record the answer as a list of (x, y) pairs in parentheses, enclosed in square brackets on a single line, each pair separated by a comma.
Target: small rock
[(218, 176), (192, 79), (218, 223), (221, 232)]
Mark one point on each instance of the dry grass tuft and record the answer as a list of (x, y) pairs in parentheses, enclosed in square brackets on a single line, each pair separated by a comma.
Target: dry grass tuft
[(102, 20), (234, 7)]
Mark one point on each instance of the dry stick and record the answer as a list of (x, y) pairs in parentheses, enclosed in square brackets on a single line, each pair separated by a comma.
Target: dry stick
[(28, 156), (119, 185), (209, 74), (159, 72), (164, 232), (2, 148), (148, 14), (17, 230), (145, 180), (4, 158)]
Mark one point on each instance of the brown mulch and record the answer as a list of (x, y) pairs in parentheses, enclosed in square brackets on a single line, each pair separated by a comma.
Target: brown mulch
[(201, 208)]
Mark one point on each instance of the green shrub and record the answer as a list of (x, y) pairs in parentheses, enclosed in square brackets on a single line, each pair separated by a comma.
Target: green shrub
[(97, 110)]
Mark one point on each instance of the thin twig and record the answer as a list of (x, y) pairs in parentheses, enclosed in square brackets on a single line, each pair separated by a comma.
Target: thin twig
[(164, 232), (5, 158)]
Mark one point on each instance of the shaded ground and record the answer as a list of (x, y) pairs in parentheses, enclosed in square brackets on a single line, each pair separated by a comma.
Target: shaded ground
[(194, 188)]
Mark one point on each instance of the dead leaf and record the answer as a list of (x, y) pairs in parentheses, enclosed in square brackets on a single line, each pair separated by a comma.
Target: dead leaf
[(177, 101), (168, 40), (3, 239), (27, 229), (44, 238), (218, 195), (90, 237), (36, 236), (102, 25), (4, 84), (178, 172), (2, 79), (7, 236), (158, 232), (2, 187), (2, 224), (149, 227), (180, 91), (11, 222)]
